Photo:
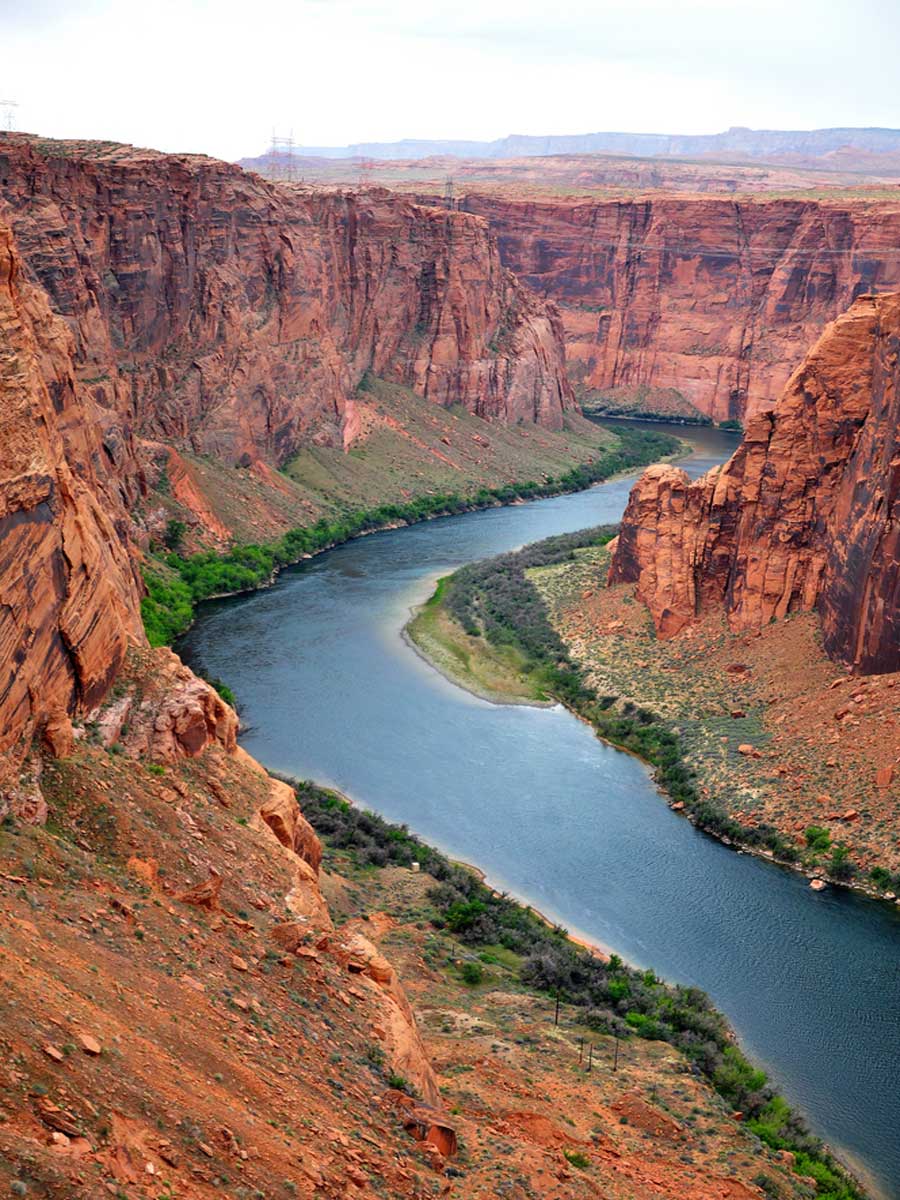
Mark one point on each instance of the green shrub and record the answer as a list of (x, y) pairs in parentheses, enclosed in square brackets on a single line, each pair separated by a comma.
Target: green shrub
[(577, 1159), (174, 535), (840, 865), (818, 839), (472, 973)]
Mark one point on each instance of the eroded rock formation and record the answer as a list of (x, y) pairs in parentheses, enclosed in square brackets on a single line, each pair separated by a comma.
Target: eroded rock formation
[(805, 514), (718, 298)]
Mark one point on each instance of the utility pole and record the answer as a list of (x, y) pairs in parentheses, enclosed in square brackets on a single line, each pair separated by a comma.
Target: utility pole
[(8, 107)]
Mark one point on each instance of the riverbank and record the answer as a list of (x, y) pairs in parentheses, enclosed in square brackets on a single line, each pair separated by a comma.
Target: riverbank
[(554, 814), (604, 1001), (793, 750), (707, 737), (176, 584), (496, 675)]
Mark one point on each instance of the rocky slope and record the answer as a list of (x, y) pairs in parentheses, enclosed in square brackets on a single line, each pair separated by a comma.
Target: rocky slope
[(804, 515), (185, 1015), (717, 298)]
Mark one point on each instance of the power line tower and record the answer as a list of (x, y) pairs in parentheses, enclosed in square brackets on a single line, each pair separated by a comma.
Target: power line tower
[(282, 164), (8, 107), (366, 167)]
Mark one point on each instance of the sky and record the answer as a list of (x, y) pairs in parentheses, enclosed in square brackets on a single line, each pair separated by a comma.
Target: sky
[(219, 76)]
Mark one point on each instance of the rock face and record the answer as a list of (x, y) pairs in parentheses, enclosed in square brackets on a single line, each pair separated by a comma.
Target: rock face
[(804, 515), (234, 317), (718, 298), (68, 590)]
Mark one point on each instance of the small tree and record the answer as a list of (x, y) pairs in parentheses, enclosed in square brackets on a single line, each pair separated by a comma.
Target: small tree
[(472, 973), (174, 535), (840, 865)]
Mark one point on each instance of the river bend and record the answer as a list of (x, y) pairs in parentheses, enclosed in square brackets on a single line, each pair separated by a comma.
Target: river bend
[(330, 692)]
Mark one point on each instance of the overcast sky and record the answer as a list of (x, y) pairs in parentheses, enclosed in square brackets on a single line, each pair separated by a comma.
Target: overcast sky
[(217, 75)]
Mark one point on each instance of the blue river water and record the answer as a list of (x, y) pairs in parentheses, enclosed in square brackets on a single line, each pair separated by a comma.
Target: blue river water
[(329, 691)]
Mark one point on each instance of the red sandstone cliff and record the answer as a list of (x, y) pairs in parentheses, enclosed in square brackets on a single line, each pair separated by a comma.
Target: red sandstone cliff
[(216, 311), (804, 515), (68, 589), (718, 298)]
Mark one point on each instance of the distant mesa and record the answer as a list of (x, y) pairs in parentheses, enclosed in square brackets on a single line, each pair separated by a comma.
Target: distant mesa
[(810, 146)]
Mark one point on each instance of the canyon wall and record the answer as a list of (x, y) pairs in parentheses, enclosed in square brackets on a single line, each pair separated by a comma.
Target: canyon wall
[(804, 515), (213, 310), (717, 298)]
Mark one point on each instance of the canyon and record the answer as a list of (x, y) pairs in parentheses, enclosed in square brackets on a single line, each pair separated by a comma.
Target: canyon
[(668, 289), (168, 318), (175, 334), (165, 322)]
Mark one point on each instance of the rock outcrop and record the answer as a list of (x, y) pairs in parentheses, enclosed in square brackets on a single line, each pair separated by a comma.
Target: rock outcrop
[(804, 515), (718, 298)]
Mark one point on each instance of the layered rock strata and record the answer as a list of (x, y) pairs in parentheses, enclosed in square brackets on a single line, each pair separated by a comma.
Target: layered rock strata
[(719, 298), (69, 596)]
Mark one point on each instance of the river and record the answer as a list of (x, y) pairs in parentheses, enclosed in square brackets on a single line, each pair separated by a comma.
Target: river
[(330, 692)]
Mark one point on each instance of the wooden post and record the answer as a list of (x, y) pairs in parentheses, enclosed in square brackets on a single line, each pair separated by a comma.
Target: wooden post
[(590, 1055), (616, 1056), (556, 1018), (580, 1051)]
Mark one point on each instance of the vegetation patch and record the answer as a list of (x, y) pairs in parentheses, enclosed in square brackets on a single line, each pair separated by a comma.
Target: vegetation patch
[(495, 600), (644, 402)]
